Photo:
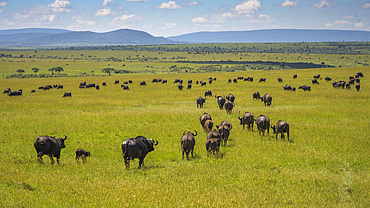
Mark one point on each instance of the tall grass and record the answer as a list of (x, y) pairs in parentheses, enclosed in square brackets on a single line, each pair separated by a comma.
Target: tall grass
[(326, 162)]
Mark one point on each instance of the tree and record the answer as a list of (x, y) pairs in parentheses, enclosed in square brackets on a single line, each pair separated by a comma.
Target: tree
[(108, 70), (59, 69), (20, 71), (35, 70), (52, 70)]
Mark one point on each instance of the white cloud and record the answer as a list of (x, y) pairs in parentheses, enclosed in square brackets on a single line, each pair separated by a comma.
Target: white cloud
[(338, 24), (347, 17), (289, 4), (3, 3), (104, 12), (60, 6), (323, 4), (169, 5), (137, 0), (248, 7), (48, 18), (7, 22), (169, 25), (359, 25), (199, 20), (191, 3), (106, 2), (262, 18), (125, 19), (366, 5), (222, 18)]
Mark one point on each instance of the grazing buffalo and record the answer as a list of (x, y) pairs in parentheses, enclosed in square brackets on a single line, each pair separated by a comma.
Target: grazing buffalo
[(357, 87), (317, 76), (7, 90), (116, 82), (357, 80), (164, 81), (47, 87), (67, 94), (137, 147), (314, 81), (295, 76), (32, 91), (190, 81), (249, 79), (348, 85), (126, 87), (154, 80), (143, 83), (229, 106), (60, 86), (104, 84), (240, 77), (281, 127), (262, 80), (15, 93), (266, 99), (51, 146), (188, 143), (180, 86), (55, 85), (224, 131), (360, 74), (230, 97), (200, 102), (207, 93), (263, 124), (305, 87), (229, 81), (210, 81), (280, 79), (203, 118), (235, 80), (130, 81), (42, 87), (287, 87), (220, 101), (178, 81), (225, 123), (208, 125), (293, 88), (80, 153), (256, 95), (97, 87), (327, 79), (213, 142), (203, 83), (90, 85), (189, 86), (247, 119)]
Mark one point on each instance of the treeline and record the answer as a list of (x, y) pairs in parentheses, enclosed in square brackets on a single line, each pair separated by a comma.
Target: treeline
[(360, 48)]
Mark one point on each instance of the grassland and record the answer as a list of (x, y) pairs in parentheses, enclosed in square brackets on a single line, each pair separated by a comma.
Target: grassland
[(326, 164)]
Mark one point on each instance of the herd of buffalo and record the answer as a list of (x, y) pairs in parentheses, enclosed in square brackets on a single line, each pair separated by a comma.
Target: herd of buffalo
[(140, 146)]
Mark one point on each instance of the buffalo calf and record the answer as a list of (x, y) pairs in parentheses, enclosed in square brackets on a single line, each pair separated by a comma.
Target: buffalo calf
[(80, 153)]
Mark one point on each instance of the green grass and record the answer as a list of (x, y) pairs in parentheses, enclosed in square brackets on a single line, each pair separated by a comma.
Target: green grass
[(326, 164)]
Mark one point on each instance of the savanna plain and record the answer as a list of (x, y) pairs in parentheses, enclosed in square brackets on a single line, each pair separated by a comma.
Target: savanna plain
[(325, 163)]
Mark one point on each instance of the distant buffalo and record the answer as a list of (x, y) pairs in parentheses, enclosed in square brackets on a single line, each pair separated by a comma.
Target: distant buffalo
[(262, 80), (188, 143), (7, 90), (15, 93), (67, 94), (247, 119), (314, 81), (224, 131), (104, 84), (116, 82), (51, 146), (189, 86), (357, 87), (360, 74), (263, 124), (164, 81), (229, 106), (137, 147), (208, 125), (213, 142), (80, 153), (180, 86), (280, 79), (305, 87), (60, 86), (256, 95), (207, 93), (203, 118), (287, 87), (200, 102), (126, 87), (327, 79), (220, 101), (281, 127), (143, 83), (317, 76), (266, 99), (230, 97), (295, 76)]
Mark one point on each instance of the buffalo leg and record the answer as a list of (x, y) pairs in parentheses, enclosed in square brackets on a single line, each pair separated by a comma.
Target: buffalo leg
[(192, 154), (52, 160), (182, 155), (39, 157), (127, 163)]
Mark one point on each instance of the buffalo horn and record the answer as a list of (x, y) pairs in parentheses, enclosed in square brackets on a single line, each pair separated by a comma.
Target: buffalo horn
[(65, 137), (195, 133), (155, 142), (183, 133)]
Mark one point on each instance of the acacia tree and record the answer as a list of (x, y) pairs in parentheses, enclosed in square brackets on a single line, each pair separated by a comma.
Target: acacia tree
[(51, 70), (20, 71), (59, 69), (108, 70), (35, 70)]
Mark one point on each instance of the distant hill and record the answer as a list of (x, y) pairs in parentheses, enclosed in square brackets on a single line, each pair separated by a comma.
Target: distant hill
[(32, 30), (274, 35), (85, 38)]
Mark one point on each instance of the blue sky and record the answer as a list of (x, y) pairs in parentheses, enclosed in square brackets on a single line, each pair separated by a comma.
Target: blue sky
[(176, 17)]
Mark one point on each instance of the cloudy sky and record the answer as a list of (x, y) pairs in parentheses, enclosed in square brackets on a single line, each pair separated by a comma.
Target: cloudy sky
[(176, 17)]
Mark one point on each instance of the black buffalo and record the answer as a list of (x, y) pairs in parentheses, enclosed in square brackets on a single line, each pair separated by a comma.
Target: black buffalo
[(360, 74), (15, 93), (7, 90), (90, 85), (203, 83), (224, 131), (305, 87), (189, 86), (281, 127), (256, 95), (287, 87), (220, 101), (116, 82), (263, 124), (188, 143), (178, 81), (295, 76), (126, 87), (208, 125), (80, 153), (200, 102), (164, 81), (266, 99), (262, 80), (180, 86), (280, 79), (60, 86), (137, 147), (51, 146), (104, 84), (67, 94), (230, 97), (203, 118), (357, 87), (317, 76), (229, 106), (213, 142), (207, 93), (328, 79), (143, 83), (247, 119), (314, 81)]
